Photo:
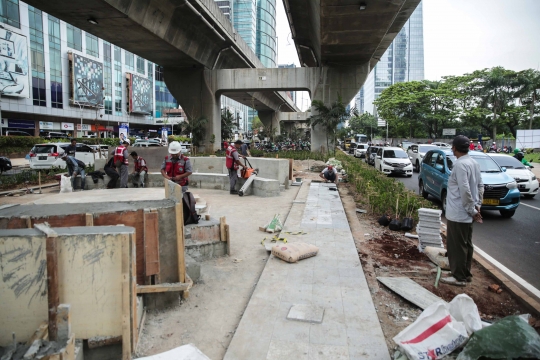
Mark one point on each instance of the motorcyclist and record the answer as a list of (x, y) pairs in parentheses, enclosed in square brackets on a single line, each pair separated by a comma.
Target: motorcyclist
[(493, 147), (520, 156)]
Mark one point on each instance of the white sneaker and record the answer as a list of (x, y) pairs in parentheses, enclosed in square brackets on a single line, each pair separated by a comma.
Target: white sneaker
[(453, 281)]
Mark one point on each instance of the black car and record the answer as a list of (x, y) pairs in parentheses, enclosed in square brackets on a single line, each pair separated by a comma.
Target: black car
[(5, 164), (370, 155), (352, 148)]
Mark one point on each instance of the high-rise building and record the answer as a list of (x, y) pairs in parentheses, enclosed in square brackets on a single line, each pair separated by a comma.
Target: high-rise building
[(255, 22), (403, 61), (60, 78)]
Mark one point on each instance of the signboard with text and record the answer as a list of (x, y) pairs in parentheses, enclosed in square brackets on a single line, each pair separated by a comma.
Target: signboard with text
[(85, 127), (67, 126), (449, 132), (45, 125)]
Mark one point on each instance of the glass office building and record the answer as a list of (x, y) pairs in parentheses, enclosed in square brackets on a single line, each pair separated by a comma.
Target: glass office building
[(266, 32), (61, 79), (402, 61)]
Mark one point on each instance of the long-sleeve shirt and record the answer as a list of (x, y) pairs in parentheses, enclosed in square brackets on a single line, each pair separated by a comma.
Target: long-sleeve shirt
[(465, 190), (72, 165)]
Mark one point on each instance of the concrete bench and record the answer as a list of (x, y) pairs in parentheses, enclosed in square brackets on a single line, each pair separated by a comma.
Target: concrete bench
[(261, 186)]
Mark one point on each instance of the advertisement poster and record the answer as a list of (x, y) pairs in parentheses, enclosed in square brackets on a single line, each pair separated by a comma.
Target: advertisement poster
[(164, 133), (123, 132), (140, 94), (14, 79), (87, 80)]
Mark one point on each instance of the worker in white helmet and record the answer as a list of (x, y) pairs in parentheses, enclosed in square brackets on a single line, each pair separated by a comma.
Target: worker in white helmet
[(177, 167)]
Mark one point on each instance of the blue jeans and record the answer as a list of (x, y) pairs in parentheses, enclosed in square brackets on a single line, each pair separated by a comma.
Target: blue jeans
[(83, 178)]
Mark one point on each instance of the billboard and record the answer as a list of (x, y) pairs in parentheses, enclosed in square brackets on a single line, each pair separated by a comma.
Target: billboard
[(526, 139), (86, 80), (123, 132), (14, 79), (140, 94)]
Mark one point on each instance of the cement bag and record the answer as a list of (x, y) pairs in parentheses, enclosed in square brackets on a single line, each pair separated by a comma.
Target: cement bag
[(65, 184), (463, 309), (433, 335), (294, 252)]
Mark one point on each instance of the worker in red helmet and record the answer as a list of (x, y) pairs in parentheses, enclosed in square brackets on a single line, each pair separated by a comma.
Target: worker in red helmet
[(329, 174)]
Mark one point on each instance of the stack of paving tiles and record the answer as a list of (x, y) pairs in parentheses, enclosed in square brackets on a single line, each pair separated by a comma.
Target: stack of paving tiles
[(429, 228)]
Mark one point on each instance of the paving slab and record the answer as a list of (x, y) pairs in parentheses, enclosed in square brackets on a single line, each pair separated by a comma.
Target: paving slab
[(332, 281), (307, 313), (410, 290)]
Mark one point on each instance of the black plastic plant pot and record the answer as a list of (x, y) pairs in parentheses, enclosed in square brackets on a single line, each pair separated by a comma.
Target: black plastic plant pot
[(384, 220), (395, 225), (407, 224)]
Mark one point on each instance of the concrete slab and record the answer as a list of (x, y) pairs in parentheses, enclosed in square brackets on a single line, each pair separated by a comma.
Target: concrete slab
[(307, 313), (186, 352), (333, 280), (105, 196), (410, 290)]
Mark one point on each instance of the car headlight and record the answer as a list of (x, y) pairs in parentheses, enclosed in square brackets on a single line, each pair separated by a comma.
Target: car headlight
[(512, 185), (410, 157), (421, 156), (387, 163), (533, 177)]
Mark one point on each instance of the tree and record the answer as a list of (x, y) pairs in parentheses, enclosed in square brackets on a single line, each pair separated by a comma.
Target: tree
[(256, 123), (227, 124), (197, 128), (363, 124), (329, 117), (528, 83)]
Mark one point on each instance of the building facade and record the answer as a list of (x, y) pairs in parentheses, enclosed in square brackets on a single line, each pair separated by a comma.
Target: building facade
[(62, 79), (403, 61)]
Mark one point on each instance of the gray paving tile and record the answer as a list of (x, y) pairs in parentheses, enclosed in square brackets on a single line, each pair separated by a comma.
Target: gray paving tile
[(287, 330), (326, 352), (287, 350), (306, 312)]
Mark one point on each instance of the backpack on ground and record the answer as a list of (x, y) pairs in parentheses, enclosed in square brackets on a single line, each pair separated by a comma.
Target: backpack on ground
[(190, 213)]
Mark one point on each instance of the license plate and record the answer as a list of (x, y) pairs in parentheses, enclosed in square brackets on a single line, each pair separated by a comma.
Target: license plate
[(490, 202), (42, 158), (522, 186), (399, 171)]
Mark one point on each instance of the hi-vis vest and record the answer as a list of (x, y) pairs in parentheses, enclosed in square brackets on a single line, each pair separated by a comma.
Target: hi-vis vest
[(229, 162), (119, 155), (176, 168)]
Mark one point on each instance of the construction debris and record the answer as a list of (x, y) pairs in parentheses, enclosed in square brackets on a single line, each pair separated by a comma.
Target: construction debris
[(185, 352), (495, 288), (410, 290), (428, 228), (437, 256), (273, 226)]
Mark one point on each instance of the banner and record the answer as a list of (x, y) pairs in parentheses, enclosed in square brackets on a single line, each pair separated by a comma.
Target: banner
[(449, 132), (14, 79), (21, 124), (123, 132), (139, 93), (45, 125), (164, 133), (87, 81), (85, 127), (68, 126)]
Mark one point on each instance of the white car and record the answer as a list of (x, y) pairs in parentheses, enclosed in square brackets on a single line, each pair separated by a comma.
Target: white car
[(393, 160), (360, 150), (46, 156), (526, 180), (417, 152), (442, 145)]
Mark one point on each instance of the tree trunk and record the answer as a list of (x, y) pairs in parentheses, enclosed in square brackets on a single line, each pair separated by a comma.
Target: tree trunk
[(494, 126), (532, 109)]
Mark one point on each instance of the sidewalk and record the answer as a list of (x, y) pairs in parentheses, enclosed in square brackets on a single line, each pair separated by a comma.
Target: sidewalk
[(333, 279)]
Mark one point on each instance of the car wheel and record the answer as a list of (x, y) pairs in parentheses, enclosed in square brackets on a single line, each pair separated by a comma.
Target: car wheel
[(421, 190), (417, 166), (507, 214), (443, 201), (529, 196)]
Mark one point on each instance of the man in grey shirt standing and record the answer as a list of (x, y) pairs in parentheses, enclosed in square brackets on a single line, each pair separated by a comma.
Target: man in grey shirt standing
[(463, 201)]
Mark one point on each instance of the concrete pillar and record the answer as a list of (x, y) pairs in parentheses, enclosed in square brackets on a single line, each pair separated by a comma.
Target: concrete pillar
[(197, 97), (270, 120), (345, 81)]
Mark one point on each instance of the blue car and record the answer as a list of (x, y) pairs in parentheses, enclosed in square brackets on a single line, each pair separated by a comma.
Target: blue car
[(500, 190)]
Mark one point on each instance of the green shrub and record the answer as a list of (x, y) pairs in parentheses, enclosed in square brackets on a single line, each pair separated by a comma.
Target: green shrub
[(380, 193), (19, 141), (182, 139)]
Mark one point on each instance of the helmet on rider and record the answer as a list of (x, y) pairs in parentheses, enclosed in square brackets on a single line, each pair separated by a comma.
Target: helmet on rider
[(175, 147)]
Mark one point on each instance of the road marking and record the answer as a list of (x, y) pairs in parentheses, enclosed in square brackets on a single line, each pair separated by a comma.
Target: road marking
[(534, 207), (508, 272)]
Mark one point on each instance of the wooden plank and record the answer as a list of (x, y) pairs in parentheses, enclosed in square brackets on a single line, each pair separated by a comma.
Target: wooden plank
[(228, 239), (410, 290), (222, 223), (189, 282), (126, 306), (291, 161), (143, 319), (89, 218), (53, 299), (28, 221), (42, 333), (151, 243), (133, 286), (180, 242), (146, 289), (100, 341)]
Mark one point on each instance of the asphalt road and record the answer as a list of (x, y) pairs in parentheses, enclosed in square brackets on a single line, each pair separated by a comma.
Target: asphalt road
[(513, 242)]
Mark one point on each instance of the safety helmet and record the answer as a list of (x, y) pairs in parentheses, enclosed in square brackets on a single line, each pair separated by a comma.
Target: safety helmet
[(174, 147), (126, 140)]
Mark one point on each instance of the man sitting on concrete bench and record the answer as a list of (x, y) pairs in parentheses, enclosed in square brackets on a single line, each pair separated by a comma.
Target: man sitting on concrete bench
[(138, 175)]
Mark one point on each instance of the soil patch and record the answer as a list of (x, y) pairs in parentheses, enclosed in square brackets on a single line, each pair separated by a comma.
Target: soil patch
[(384, 252)]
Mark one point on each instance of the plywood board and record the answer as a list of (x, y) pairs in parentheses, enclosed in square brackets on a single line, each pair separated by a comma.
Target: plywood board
[(23, 290), (410, 290), (179, 212), (151, 243)]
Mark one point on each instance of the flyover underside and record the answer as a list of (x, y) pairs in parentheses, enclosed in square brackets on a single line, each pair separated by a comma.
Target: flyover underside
[(263, 100)]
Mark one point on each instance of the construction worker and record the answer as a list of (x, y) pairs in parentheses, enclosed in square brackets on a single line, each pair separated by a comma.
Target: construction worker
[(140, 171), (75, 167), (177, 167), (329, 174), (121, 162), (232, 161)]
